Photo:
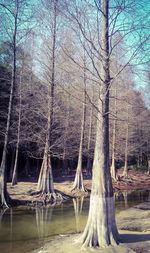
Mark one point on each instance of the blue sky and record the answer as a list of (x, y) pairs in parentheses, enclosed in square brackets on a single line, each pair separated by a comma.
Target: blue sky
[(138, 15)]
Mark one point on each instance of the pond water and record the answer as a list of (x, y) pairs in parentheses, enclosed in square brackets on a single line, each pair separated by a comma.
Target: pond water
[(24, 229)]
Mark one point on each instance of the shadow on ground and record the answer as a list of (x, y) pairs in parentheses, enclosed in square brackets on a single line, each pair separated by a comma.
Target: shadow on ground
[(132, 238)]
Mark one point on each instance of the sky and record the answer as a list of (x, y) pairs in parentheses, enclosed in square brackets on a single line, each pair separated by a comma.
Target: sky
[(134, 25), (130, 19)]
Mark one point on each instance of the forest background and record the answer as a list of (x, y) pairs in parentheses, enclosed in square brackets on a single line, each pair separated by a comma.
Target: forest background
[(49, 88)]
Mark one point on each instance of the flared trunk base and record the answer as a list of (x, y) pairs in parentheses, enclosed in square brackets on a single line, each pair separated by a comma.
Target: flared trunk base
[(114, 173), (100, 230), (78, 182), (5, 200)]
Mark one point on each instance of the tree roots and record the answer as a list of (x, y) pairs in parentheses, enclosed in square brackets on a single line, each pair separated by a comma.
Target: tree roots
[(80, 192), (43, 198)]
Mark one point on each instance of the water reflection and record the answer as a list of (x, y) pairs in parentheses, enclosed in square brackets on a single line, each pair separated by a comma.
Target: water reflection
[(125, 195), (122, 197), (43, 215), (2, 212), (22, 230), (127, 199), (10, 225), (78, 205)]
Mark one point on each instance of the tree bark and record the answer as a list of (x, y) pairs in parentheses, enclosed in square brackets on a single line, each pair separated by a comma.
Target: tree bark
[(12, 164), (148, 160), (14, 177), (45, 181), (125, 171), (148, 171), (4, 196), (89, 173), (27, 165), (113, 169), (78, 181), (101, 230), (67, 122)]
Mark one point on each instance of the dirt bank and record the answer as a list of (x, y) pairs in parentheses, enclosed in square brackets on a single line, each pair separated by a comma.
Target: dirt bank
[(22, 191)]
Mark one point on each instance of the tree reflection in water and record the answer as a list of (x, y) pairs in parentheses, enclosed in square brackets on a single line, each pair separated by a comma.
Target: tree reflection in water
[(78, 205), (125, 195), (127, 199), (43, 216), (2, 212)]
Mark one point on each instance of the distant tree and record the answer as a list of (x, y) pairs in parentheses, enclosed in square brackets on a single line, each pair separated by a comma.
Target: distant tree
[(14, 175), (12, 12), (5, 78), (78, 181), (4, 196), (89, 143), (113, 158), (45, 181)]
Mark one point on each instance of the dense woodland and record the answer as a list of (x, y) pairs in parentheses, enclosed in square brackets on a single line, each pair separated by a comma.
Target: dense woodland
[(50, 74)]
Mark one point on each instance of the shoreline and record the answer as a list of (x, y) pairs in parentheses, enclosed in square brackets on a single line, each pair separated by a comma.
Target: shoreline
[(22, 193), (132, 240)]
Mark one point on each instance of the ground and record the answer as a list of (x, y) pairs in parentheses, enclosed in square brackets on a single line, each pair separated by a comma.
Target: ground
[(134, 235), (134, 225), (22, 191)]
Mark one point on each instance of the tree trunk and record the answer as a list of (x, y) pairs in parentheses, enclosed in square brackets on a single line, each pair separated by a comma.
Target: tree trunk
[(14, 177), (12, 164), (148, 172), (113, 169), (78, 182), (125, 171), (89, 167), (45, 182), (148, 160), (139, 140), (27, 165), (4, 196), (89, 173), (65, 167), (138, 161), (101, 229), (67, 121)]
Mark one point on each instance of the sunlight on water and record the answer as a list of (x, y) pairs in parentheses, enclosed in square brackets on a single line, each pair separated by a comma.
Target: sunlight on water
[(22, 230)]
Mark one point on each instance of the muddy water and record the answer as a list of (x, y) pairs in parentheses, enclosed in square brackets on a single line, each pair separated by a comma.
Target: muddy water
[(24, 229)]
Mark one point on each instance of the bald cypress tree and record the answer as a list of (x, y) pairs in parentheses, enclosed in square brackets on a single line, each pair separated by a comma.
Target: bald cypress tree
[(4, 196), (101, 230)]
